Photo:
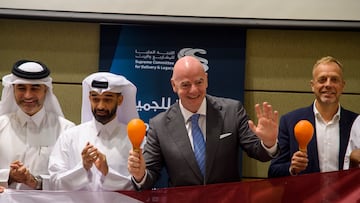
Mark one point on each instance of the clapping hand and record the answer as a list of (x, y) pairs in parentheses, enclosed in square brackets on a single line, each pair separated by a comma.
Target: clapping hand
[(91, 155), (18, 172)]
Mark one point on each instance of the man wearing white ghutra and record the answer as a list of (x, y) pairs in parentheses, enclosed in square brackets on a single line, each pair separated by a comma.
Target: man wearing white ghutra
[(93, 155), (31, 120)]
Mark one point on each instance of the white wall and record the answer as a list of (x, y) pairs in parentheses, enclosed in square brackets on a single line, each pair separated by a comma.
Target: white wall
[(347, 10)]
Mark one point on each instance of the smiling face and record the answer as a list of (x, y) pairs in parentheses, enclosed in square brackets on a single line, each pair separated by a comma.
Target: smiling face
[(30, 97), (327, 83), (189, 81), (104, 106)]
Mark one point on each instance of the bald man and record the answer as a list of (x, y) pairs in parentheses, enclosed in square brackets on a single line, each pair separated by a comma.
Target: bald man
[(225, 128)]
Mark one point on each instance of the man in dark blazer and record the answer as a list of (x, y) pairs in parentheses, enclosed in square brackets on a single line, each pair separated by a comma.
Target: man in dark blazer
[(288, 144), (224, 123), (332, 126)]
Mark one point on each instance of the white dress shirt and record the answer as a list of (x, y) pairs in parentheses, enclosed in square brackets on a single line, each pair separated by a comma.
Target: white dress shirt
[(328, 141), (66, 165)]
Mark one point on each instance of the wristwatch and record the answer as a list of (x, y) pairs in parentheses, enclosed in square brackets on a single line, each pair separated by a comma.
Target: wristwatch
[(39, 181)]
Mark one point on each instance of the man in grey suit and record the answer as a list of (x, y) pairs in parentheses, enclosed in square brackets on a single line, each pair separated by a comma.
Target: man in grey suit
[(225, 128)]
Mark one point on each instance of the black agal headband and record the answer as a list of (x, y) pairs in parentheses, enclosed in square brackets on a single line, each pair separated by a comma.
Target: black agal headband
[(100, 84), (22, 69)]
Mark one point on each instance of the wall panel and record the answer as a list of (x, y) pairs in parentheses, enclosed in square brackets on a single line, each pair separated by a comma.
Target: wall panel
[(278, 64)]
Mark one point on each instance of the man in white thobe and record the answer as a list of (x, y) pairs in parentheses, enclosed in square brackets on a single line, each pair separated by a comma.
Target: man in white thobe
[(93, 155), (31, 120)]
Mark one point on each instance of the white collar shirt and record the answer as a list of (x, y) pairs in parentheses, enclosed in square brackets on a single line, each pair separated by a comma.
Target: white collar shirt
[(328, 141)]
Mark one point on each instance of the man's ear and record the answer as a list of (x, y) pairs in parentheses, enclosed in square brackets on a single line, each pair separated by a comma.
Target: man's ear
[(312, 85), (173, 86), (120, 99)]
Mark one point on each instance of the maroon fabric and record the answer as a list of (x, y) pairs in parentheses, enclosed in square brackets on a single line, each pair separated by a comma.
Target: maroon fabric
[(341, 186)]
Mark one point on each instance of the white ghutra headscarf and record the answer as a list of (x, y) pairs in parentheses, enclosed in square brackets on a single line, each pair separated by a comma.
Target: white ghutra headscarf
[(109, 82), (28, 72)]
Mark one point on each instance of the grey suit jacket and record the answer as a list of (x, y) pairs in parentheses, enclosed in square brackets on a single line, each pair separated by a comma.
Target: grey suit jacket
[(227, 131)]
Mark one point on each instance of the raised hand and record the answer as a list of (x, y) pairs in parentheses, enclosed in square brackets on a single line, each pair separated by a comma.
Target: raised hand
[(267, 128)]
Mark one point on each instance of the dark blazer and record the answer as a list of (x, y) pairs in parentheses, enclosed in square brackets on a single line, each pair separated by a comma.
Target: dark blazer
[(288, 144), (168, 144)]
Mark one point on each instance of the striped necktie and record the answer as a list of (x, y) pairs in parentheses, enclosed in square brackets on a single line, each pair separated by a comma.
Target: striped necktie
[(199, 142)]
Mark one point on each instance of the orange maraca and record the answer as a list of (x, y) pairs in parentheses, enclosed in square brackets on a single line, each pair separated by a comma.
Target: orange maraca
[(136, 130), (303, 131)]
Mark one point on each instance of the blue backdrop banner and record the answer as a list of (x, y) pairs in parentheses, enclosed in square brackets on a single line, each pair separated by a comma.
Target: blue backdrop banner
[(146, 55)]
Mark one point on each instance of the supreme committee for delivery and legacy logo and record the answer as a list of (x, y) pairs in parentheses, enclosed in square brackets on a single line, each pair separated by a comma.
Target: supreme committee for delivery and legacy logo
[(152, 59)]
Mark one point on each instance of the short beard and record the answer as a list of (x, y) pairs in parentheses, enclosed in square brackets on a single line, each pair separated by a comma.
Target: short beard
[(106, 118)]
